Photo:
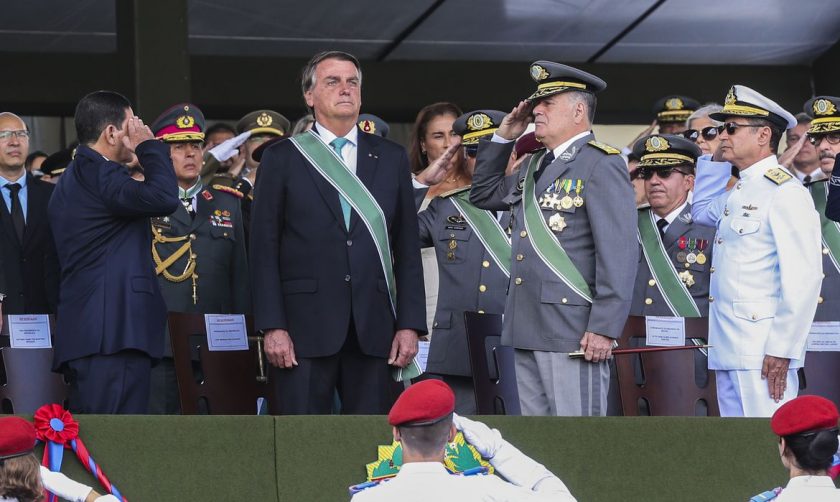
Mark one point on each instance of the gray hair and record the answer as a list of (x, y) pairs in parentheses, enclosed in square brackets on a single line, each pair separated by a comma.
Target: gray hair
[(307, 80), (705, 111), (589, 100)]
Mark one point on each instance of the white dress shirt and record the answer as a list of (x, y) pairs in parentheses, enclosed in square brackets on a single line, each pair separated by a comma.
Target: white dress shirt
[(348, 152)]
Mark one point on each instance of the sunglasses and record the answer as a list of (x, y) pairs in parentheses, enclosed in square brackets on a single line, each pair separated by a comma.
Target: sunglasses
[(708, 133), (470, 151), (664, 174), (732, 127), (833, 138)]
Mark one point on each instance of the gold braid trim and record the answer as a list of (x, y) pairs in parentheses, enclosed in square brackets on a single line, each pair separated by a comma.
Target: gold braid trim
[(161, 266)]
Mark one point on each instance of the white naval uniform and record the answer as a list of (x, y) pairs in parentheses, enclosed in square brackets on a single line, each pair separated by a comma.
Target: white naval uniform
[(430, 481), (767, 271), (810, 489)]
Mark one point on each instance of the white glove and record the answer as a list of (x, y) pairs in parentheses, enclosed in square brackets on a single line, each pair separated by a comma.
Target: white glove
[(107, 498), (63, 486), (230, 147), (486, 441)]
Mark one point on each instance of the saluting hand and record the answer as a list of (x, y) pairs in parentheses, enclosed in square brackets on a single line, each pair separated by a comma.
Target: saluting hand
[(404, 348), (775, 370), (440, 168), (786, 159), (279, 348), (135, 133), (515, 122)]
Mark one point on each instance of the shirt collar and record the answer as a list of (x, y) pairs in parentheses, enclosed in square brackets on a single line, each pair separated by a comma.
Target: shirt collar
[(810, 482), (423, 468), (328, 136), (20, 181), (670, 217), (759, 168), (565, 145), (189, 193)]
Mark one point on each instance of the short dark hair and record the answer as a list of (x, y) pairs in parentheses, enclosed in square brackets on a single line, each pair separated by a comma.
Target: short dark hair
[(803, 118), (32, 156), (307, 79), (427, 440), (775, 131), (219, 127), (97, 111), (813, 451)]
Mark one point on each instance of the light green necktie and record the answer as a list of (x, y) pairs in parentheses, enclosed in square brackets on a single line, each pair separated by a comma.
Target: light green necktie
[(337, 144)]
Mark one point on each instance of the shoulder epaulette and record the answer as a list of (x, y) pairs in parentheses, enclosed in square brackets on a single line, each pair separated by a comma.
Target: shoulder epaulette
[(768, 495), (236, 193), (604, 147), (454, 191), (778, 175)]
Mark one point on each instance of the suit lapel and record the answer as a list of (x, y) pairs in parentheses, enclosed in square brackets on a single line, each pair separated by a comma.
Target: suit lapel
[(6, 217), (678, 228), (367, 161), (36, 201), (560, 165), (202, 212)]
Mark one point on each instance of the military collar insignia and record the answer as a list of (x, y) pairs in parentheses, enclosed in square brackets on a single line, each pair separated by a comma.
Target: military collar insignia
[(538, 73), (264, 120), (568, 154), (207, 195), (520, 185), (685, 218), (824, 107)]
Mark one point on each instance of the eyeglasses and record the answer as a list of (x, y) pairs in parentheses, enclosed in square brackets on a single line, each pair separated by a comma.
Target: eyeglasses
[(708, 133), (833, 138), (7, 135), (664, 174), (731, 127)]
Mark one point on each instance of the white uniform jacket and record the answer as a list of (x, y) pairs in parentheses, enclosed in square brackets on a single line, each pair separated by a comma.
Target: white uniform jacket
[(810, 488), (767, 265)]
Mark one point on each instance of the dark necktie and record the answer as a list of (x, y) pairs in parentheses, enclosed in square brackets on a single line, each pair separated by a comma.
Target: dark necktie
[(17, 210), (806, 179), (661, 224), (188, 205), (546, 161)]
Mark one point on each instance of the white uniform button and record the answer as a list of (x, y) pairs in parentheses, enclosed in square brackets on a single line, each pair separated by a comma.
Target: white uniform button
[(648, 301), (518, 281), (482, 288), (651, 283)]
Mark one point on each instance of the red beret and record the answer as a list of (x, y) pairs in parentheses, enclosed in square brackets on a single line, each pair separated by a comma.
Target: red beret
[(423, 403), (527, 143), (17, 437), (804, 414)]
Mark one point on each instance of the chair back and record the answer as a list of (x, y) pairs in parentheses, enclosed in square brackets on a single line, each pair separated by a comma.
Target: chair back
[(493, 369)]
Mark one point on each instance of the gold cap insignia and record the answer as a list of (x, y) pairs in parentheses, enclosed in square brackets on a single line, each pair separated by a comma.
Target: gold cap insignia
[(538, 73), (730, 97), (264, 120), (824, 107), (478, 122), (368, 126), (186, 108), (656, 144), (674, 104), (185, 122)]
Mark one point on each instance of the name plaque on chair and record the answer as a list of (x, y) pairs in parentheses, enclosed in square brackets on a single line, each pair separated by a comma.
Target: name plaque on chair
[(824, 337), (664, 331), (31, 331), (226, 332)]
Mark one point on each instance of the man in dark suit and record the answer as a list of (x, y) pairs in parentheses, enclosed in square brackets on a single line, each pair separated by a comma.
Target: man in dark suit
[(111, 313), (335, 309), (29, 260)]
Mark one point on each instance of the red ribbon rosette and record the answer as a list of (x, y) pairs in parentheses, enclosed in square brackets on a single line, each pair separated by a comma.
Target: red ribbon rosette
[(55, 424)]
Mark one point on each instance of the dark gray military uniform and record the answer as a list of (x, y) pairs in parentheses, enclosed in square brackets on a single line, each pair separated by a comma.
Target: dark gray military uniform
[(543, 314), (647, 298), (220, 277), (470, 281)]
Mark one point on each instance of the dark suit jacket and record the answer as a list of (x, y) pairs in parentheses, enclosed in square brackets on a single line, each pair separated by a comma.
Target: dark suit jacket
[(109, 296), (310, 275), (832, 206), (31, 267)]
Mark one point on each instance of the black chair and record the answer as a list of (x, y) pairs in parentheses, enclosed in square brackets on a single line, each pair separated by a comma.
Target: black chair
[(668, 386), (821, 376), (221, 383), (493, 369), (28, 382)]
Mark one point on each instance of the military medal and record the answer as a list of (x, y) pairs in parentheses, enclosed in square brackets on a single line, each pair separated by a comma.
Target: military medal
[(566, 202), (682, 242), (702, 244), (691, 257), (557, 223), (687, 278), (578, 200), (681, 257)]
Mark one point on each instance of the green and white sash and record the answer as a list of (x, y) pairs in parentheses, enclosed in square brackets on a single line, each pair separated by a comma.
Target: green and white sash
[(332, 168), (487, 228), (830, 230), (673, 289), (544, 241)]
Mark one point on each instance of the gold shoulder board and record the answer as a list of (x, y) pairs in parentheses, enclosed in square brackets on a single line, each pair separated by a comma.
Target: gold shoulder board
[(236, 193), (604, 147), (454, 191), (777, 175)]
